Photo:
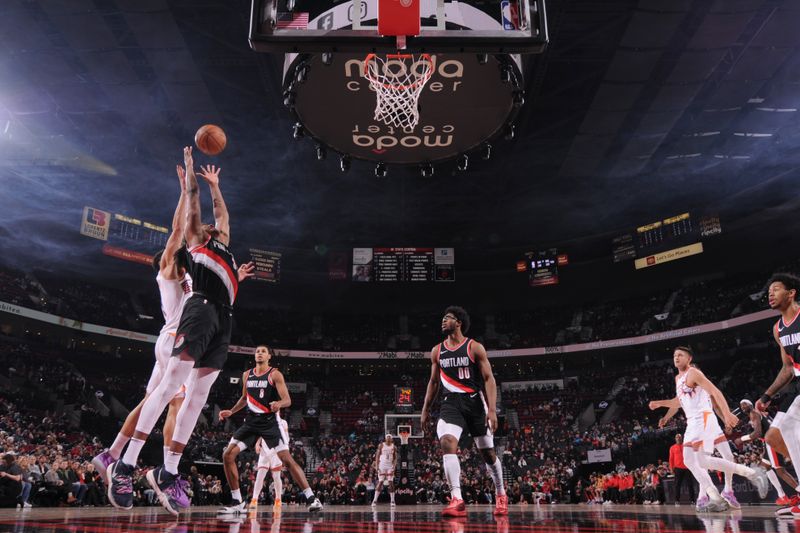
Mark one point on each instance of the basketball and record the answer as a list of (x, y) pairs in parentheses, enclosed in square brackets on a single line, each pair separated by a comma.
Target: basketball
[(210, 139)]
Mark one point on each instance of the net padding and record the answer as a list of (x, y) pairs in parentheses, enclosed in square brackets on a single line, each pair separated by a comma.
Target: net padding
[(398, 80)]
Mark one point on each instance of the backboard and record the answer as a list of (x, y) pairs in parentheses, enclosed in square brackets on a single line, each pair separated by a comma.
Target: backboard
[(314, 26)]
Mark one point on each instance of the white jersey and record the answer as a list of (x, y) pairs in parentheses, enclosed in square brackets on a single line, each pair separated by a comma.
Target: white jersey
[(174, 293), (386, 458), (695, 401)]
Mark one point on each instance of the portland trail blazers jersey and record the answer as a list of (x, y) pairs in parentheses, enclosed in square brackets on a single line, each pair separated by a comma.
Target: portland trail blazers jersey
[(260, 392), (789, 337), (214, 272), (458, 371)]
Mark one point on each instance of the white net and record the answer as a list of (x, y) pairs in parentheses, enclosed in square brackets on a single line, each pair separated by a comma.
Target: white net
[(398, 80)]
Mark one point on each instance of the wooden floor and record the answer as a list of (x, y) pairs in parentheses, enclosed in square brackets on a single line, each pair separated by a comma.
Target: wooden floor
[(417, 519)]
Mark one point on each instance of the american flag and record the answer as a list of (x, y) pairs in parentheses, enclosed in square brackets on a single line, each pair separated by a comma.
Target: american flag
[(292, 21)]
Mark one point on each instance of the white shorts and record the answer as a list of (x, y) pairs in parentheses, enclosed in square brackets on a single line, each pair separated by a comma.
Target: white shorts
[(163, 353), (385, 473), (705, 429), (793, 411), (269, 459)]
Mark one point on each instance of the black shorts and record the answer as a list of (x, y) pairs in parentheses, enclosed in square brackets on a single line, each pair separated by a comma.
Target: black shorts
[(260, 426), (466, 411), (204, 332)]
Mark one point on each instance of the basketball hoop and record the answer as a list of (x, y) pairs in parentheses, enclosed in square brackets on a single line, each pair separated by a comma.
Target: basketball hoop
[(398, 80), (404, 432)]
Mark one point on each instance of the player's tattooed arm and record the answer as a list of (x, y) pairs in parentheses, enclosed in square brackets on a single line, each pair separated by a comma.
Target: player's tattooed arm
[(210, 174), (194, 225)]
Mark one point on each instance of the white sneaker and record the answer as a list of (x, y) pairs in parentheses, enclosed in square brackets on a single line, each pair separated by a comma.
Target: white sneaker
[(236, 507), (315, 506), (374, 504), (392, 504)]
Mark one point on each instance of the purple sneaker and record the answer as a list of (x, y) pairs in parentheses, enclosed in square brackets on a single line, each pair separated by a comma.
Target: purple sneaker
[(120, 488), (730, 497), (702, 501), (170, 488), (101, 463)]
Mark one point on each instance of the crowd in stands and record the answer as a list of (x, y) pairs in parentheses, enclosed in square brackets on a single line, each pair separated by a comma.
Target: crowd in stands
[(699, 302)]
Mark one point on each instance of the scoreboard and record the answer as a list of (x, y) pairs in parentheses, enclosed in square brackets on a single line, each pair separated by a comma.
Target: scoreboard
[(268, 265), (404, 399), (665, 240), (403, 264), (127, 238)]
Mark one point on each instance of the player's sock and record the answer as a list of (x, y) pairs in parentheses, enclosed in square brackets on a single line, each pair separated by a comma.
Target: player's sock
[(119, 444), (308, 493), (132, 453), (721, 465), (496, 471), (277, 484), (236, 495), (690, 458), (259, 483), (166, 453), (171, 462), (773, 478), (452, 471), (391, 496), (724, 450), (378, 490)]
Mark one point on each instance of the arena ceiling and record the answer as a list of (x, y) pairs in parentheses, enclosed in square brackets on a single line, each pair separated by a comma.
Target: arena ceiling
[(637, 111)]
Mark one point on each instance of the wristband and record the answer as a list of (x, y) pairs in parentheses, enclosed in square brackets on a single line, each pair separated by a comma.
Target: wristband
[(746, 438), (765, 398)]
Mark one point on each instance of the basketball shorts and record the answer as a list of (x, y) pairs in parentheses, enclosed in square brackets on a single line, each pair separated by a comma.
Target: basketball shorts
[(464, 411), (204, 332), (265, 427), (772, 456), (385, 473), (269, 460), (163, 350), (703, 429)]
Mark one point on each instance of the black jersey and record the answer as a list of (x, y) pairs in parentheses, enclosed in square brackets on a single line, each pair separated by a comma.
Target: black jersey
[(260, 392), (213, 270), (458, 371), (789, 337)]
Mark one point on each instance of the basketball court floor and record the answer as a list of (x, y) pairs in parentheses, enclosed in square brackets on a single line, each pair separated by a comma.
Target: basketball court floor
[(418, 519)]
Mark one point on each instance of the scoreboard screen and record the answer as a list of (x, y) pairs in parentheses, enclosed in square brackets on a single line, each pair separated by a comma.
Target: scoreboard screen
[(126, 237), (268, 265), (542, 266), (404, 399), (670, 229), (403, 264)]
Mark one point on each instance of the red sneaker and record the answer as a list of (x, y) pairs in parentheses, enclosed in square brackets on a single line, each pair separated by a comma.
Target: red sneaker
[(783, 501), (501, 507), (794, 500), (456, 507)]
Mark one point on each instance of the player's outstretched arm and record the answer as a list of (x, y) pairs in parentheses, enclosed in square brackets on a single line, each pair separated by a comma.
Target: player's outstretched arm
[(240, 404), (485, 367), (432, 389), (210, 173), (194, 225), (658, 404), (695, 377), (167, 263), (283, 392), (672, 411)]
